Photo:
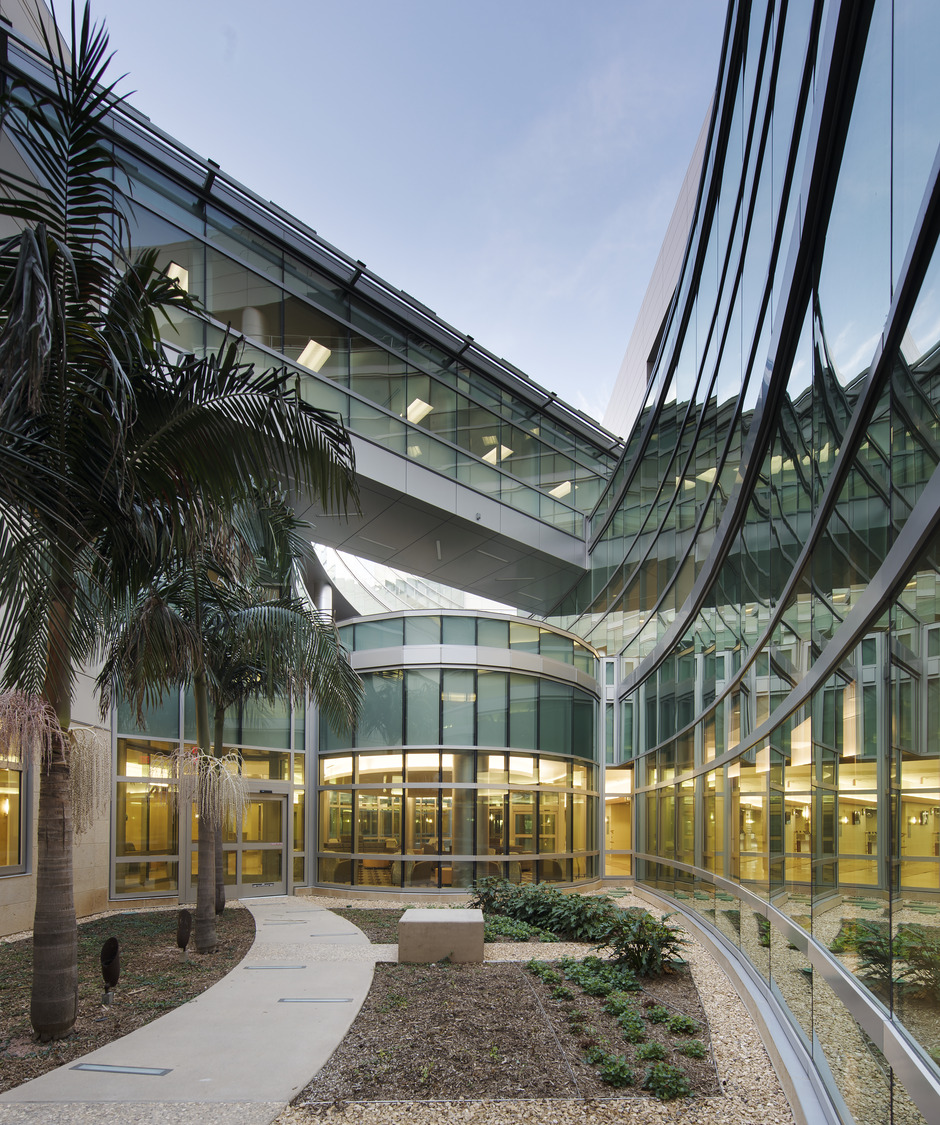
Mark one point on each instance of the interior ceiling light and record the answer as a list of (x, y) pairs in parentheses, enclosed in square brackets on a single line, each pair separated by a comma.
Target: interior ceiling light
[(314, 356), (496, 455), (708, 475), (560, 489), (179, 274), (418, 410)]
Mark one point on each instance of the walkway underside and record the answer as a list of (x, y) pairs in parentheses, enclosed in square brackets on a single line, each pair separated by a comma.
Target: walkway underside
[(420, 522)]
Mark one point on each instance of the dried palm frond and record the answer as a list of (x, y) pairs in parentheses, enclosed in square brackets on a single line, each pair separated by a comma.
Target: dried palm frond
[(89, 775), (214, 785), (28, 729)]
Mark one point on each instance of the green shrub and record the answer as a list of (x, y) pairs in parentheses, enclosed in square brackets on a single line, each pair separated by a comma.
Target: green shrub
[(651, 1052), (667, 1081), (644, 945), (572, 916), (763, 930), (911, 957), (489, 895), (633, 1027), (919, 947), (559, 992), (656, 1013), (615, 1070), (695, 1049), (853, 929), (875, 960), (595, 1054), (684, 1025)]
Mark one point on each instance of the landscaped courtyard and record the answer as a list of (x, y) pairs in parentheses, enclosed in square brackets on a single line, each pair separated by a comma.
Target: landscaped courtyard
[(519, 1037)]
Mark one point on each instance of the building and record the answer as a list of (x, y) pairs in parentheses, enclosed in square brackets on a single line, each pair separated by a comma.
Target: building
[(736, 612)]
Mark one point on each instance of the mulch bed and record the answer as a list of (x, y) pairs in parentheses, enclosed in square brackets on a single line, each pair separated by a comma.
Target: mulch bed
[(154, 979), (445, 1031)]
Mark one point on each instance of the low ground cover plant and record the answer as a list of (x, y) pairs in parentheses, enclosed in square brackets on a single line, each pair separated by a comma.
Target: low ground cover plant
[(651, 1052), (694, 1049), (616, 1070), (620, 992), (667, 1081), (598, 977), (497, 927)]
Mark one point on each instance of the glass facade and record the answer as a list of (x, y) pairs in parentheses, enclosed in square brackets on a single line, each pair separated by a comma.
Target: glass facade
[(397, 375), (155, 840), (460, 767), (764, 560)]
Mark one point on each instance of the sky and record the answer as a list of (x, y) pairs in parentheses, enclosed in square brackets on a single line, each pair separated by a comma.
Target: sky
[(513, 164)]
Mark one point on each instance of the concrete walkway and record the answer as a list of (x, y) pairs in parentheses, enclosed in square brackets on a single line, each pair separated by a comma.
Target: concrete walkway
[(236, 1054)]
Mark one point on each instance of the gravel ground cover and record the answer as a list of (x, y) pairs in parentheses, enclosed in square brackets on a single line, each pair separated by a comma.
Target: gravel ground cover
[(154, 979), (498, 1031), (747, 1091)]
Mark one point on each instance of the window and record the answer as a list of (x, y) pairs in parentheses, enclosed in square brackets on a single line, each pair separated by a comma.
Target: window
[(11, 819)]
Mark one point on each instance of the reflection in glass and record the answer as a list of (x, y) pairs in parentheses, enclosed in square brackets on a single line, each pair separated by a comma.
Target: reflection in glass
[(10, 802), (146, 877), (146, 819)]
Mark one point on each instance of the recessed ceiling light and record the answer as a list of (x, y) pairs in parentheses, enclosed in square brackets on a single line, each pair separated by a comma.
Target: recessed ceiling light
[(179, 274), (314, 355), (417, 410)]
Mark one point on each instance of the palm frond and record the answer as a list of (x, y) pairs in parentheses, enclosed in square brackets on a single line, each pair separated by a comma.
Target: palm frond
[(153, 650), (59, 134)]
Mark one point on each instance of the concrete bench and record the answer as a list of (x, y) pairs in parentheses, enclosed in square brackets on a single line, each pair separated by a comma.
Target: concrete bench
[(432, 935)]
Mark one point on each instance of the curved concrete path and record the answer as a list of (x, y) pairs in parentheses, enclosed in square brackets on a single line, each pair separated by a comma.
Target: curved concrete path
[(238, 1053)]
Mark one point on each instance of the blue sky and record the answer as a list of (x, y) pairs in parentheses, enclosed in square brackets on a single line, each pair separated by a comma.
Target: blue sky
[(511, 163)]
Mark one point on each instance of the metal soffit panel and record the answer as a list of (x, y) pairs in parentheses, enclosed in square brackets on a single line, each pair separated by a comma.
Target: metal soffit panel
[(459, 551)]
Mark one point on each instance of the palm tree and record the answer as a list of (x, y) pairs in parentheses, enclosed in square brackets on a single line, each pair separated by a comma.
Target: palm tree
[(270, 643), (109, 451), (227, 620)]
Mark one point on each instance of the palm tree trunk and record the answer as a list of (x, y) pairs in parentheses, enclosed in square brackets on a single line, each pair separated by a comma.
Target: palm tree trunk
[(54, 1000), (219, 856), (204, 935)]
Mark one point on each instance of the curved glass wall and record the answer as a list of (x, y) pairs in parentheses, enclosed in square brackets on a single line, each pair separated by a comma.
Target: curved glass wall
[(766, 558), (476, 754)]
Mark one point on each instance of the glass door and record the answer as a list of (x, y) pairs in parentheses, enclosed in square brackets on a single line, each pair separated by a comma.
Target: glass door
[(253, 854), (260, 869)]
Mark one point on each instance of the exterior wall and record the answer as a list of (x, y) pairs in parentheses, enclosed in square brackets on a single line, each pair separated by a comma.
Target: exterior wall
[(92, 850)]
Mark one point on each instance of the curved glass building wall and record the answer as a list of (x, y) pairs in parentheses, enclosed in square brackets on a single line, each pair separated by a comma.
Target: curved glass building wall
[(475, 755), (765, 558)]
